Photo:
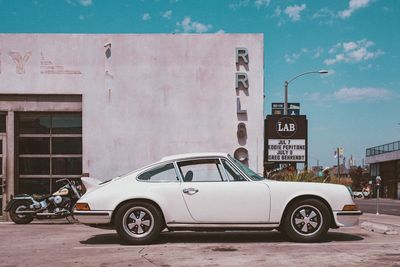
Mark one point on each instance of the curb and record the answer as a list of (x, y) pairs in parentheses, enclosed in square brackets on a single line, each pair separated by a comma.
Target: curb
[(379, 228)]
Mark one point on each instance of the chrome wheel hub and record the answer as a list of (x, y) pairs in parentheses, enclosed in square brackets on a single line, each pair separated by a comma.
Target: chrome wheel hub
[(20, 208), (138, 222), (306, 220)]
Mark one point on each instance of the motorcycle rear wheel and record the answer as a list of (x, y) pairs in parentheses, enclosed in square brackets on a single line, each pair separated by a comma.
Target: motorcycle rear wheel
[(20, 218)]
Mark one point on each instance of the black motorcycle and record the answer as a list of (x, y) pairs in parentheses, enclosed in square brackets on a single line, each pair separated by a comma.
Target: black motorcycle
[(24, 208)]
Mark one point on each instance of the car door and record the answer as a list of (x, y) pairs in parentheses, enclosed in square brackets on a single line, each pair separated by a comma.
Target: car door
[(213, 196)]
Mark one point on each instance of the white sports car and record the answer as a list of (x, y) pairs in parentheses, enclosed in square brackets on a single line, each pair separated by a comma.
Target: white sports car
[(212, 191)]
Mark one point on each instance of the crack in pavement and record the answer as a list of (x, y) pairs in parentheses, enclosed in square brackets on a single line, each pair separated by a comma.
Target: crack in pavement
[(144, 257)]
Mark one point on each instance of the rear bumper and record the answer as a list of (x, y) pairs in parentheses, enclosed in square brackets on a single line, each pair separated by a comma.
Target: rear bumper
[(346, 218), (93, 217)]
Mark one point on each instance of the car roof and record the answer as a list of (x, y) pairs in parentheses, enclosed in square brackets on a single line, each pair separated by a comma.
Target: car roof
[(193, 155)]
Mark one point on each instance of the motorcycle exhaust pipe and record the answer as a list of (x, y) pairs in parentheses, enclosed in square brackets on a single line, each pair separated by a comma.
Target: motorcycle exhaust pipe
[(46, 214), (52, 213), (25, 211)]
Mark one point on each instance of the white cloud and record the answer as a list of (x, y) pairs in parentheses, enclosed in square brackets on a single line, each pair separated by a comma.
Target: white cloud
[(293, 57), (277, 11), (318, 52), (261, 3), (220, 31), (293, 12), (315, 97), (325, 16), (323, 13), (167, 14), (358, 94), (146, 16), (85, 2), (353, 6), (352, 52), (241, 3), (193, 26)]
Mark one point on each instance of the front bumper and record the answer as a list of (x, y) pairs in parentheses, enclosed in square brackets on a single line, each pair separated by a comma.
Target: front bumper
[(93, 217), (346, 218)]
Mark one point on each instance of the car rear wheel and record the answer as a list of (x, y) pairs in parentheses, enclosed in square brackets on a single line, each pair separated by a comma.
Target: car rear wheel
[(138, 223), (306, 220)]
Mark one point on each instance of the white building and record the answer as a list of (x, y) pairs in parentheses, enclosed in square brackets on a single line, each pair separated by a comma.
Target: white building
[(104, 105)]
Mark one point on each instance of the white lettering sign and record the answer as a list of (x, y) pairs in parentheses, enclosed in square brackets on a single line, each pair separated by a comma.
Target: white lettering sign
[(289, 150)]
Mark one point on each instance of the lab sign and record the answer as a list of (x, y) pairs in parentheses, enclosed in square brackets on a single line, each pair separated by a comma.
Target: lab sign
[(285, 139)]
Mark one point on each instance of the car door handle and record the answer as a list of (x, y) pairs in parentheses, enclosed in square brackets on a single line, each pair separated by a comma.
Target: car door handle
[(190, 191)]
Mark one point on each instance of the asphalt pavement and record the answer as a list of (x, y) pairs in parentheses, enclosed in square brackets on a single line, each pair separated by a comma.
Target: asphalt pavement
[(386, 206), (60, 244)]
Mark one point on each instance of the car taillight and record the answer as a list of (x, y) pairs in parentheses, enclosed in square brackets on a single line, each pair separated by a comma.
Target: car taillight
[(82, 206)]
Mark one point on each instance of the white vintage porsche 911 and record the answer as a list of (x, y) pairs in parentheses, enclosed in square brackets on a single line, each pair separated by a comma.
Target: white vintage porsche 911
[(212, 191)]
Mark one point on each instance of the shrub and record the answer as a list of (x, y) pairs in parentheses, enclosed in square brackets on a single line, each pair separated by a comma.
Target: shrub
[(306, 176)]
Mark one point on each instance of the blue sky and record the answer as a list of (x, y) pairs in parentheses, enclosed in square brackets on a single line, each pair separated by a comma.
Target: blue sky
[(355, 106)]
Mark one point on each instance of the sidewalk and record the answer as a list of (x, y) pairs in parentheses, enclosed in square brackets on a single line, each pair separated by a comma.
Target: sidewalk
[(382, 218), (383, 224)]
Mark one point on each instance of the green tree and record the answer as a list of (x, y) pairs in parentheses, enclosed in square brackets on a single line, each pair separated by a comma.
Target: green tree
[(356, 175)]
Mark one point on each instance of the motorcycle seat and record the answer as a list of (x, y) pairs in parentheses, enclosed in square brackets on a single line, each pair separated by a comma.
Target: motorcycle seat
[(40, 197)]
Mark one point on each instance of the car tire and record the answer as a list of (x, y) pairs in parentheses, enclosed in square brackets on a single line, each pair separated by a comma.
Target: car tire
[(20, 218), (138, 223), (306, 220)]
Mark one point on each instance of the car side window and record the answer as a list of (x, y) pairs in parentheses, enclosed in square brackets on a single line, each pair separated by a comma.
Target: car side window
[(164, 173), (204, 170), (232, 173)]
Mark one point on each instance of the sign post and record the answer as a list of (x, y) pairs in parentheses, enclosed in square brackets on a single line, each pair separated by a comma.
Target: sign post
[(378, 184), (279, 108)]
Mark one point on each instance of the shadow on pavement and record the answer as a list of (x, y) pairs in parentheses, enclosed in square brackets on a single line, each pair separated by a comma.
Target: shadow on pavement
[(219, 237)]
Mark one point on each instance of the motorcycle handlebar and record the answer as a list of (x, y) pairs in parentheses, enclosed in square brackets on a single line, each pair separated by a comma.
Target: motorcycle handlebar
[(61, 180)]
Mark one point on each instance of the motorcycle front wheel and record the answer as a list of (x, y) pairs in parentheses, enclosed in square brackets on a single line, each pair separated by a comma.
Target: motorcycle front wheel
[(20, 218)]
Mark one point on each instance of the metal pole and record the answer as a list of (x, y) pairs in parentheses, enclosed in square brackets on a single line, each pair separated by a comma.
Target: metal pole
[(338, 163), (377, 200), (285, 108)]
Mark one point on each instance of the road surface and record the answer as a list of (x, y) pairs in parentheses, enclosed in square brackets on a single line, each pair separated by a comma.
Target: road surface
[(386, 206)]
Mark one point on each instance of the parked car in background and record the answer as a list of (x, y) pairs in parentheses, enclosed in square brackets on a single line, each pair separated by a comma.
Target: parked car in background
[(358, 194), (212, 191)]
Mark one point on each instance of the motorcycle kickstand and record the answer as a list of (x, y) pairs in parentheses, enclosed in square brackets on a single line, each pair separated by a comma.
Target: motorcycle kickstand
[(70, 222)]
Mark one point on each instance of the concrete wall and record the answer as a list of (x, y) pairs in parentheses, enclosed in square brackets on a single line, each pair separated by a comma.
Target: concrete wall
[(148, 96), (395, 155)]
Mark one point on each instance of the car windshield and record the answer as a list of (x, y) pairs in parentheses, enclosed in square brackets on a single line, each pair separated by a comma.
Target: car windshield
[(251, 174)]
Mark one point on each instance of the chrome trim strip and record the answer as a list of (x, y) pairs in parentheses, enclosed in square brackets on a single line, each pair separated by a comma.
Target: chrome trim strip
[(223, 225), (93, 217), (349, 213), (79, 213)]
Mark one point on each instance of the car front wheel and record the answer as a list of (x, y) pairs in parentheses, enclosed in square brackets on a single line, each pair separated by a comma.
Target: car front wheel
[(138, 223), (307, 220)]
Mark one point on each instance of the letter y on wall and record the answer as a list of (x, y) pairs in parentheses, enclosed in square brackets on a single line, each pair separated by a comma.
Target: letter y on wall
[(20, 61)]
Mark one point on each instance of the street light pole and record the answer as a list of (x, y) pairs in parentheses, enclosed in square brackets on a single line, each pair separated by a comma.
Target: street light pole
[(285, 110)]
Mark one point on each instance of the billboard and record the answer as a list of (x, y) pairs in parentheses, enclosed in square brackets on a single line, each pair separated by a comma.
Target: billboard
[(285, 139)]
